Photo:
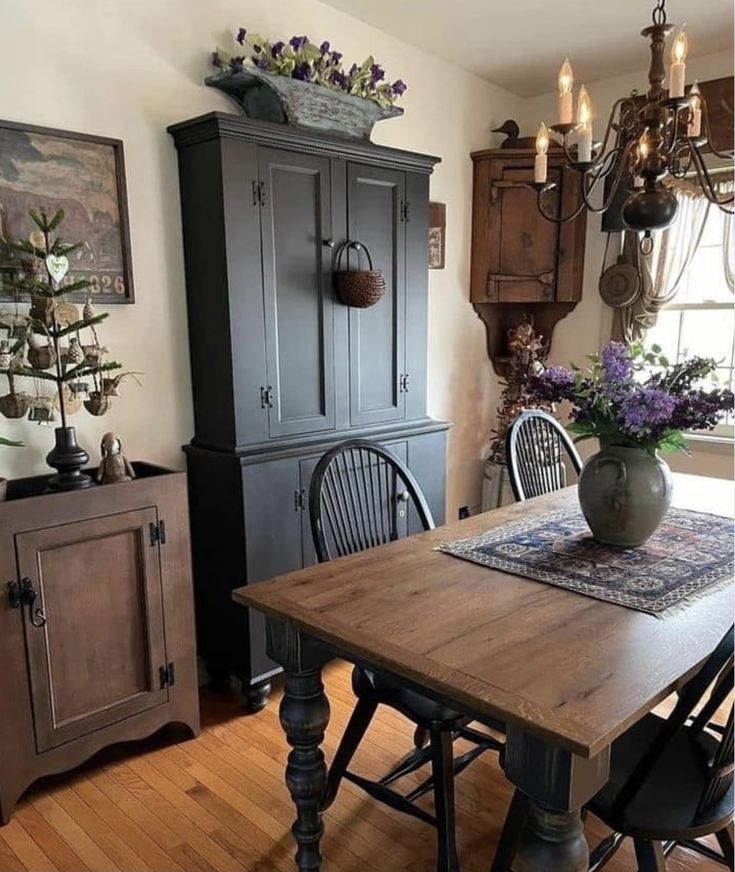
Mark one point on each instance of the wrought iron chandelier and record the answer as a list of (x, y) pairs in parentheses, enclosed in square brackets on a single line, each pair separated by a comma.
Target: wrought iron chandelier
[(648, 139)]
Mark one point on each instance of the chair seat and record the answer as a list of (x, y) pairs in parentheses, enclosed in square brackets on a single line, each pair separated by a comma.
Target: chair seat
[(666, 805), (390, 691)]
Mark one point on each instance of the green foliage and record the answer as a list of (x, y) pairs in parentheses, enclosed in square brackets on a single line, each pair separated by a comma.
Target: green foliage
[(9, 443)]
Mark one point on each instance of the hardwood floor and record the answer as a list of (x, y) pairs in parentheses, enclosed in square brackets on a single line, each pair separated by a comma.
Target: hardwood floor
[(219, 803)]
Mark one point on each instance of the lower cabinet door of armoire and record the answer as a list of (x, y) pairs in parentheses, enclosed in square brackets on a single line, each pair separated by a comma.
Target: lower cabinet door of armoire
[(94, 627), (375, 218)]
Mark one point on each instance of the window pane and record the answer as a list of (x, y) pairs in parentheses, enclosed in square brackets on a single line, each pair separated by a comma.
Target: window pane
[(706, 279), (666, 333), (708, 333)]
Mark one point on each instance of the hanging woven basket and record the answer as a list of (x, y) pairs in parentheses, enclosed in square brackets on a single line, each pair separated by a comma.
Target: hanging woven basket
[(359, 288)]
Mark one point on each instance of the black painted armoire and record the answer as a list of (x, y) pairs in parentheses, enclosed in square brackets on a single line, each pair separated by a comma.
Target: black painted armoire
[(281, 369)]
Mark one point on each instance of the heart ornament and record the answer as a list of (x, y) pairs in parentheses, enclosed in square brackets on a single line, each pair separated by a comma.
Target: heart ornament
[(58, 266)]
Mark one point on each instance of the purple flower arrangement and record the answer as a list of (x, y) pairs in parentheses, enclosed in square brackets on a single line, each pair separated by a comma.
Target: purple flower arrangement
[(302, 59), (635, 398)]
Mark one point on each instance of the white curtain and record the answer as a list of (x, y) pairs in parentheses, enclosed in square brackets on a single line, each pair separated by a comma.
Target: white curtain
[(662, 271), (728, 238)]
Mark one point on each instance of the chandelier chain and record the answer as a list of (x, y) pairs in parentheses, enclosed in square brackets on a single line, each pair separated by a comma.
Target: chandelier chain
[(659, 12)]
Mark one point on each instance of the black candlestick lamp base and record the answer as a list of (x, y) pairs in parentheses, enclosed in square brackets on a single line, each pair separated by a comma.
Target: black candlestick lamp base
[(69, 459)]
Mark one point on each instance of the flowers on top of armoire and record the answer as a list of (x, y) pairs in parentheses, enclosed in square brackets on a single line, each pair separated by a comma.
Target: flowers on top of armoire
[(301, 59)]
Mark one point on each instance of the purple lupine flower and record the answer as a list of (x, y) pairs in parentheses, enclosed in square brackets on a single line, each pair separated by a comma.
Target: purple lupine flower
[(339, 79), (336, 57), (236, 64), (701, 410), (216, 59), (377, 73), (552, 385), (399, 87), (647, 411), (298, 42), (260, 61), (324, 47), (616, 363), (277, 48), (257, 49), (241, 34), (302, 72), (354, 69)]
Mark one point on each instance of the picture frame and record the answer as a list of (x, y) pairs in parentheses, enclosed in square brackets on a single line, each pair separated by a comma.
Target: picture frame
[(437, 235), (50, 169)]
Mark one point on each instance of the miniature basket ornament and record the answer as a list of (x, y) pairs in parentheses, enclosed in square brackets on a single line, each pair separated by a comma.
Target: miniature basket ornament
[(359, 288)]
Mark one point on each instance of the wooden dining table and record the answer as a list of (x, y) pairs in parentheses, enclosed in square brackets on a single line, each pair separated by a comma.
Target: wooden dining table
[(566, 673)]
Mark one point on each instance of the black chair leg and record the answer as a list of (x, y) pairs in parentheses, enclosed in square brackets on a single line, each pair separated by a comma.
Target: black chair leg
[(725, 841), (442, 761), (650, 856), (508, 842), (356, 729)]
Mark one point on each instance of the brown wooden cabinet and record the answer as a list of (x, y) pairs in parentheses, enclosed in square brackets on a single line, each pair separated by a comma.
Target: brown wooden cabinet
[(523, 263), (96, 622)]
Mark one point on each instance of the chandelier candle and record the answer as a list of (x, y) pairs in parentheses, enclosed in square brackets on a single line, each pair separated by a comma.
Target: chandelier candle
[(566, 99), (542, 146), (584, 118), (695, 125), (678, 71)]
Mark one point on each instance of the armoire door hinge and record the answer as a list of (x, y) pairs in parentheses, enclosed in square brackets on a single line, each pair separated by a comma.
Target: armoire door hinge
[(158, 533), (299, 500), (404, 383), (266, 397), (258, 193), (405, 211), (167, 675)]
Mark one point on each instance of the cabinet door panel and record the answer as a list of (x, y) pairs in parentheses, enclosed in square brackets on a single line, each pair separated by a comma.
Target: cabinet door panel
[(523, 245), (377, 334), (296, 219), (97, 659), (272, 537)]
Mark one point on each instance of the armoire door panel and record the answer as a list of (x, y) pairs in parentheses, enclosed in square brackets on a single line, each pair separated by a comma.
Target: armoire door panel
[(377, 334), (272, 536), (96, 660), (296, 221)]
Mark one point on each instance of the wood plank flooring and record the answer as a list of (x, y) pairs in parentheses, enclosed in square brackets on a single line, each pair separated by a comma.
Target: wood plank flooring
[(219, 804)]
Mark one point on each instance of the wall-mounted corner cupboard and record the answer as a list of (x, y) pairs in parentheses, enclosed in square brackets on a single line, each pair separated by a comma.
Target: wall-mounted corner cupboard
[(281, 369)]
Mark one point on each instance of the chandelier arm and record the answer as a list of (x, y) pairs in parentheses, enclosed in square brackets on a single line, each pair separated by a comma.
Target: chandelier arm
[(558, 219), (676, 137), (617, 105), (725, 155), (619, 169), (706, 183)]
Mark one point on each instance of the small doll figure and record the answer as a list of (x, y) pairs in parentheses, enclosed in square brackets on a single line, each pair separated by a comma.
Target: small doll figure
[(115, 467)]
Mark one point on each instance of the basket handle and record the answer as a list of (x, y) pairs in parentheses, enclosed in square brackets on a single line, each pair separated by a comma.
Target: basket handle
[(356, 246)]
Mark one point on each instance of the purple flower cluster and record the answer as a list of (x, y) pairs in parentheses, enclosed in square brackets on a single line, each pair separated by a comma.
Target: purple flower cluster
[(298, 42), (553, 385), (647, 411), (399, 87), (629, 397)]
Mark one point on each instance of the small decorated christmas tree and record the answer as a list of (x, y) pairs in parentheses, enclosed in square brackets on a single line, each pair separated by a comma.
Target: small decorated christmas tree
[(57, 344)]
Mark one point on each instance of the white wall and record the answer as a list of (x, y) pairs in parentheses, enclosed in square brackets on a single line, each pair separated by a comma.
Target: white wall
[(127, 70), (589, 326)]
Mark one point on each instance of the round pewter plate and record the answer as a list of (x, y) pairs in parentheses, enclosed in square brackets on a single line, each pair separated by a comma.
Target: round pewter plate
[(620, 285)]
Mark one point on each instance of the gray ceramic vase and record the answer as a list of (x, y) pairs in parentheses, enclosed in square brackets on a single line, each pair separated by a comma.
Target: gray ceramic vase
[(625, 494)]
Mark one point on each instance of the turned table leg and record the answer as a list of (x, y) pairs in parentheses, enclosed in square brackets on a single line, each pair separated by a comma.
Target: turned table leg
[(304, 716), (556, 784)]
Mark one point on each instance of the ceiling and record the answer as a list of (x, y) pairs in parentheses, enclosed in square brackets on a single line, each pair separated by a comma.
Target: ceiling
[(520, 44)]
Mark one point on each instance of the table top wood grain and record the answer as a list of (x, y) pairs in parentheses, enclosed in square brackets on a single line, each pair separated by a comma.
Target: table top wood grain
[(561, 665)]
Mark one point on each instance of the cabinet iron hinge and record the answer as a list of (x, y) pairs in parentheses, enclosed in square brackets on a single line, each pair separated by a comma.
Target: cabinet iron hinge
[(299, 500), (158, 533), (266, 397), (404, 383), (167, 675), (405, 211), (258, 193)]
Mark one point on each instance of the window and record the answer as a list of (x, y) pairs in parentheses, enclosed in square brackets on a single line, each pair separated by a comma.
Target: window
[(700, 320)]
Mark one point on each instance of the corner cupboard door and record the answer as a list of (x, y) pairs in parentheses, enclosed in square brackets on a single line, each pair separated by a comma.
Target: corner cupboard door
[(375, 218), (296, 227), (522, 244), (95, 632)]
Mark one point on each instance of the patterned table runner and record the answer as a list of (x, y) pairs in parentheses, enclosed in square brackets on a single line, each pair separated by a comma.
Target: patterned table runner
[(689, 552)]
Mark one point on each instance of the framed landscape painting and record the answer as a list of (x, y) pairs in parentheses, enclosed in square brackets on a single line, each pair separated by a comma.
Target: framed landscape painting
[(42, 168)]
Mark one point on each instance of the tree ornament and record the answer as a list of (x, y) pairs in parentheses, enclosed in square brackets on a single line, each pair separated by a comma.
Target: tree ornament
[(57, 266), (75, 353)]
